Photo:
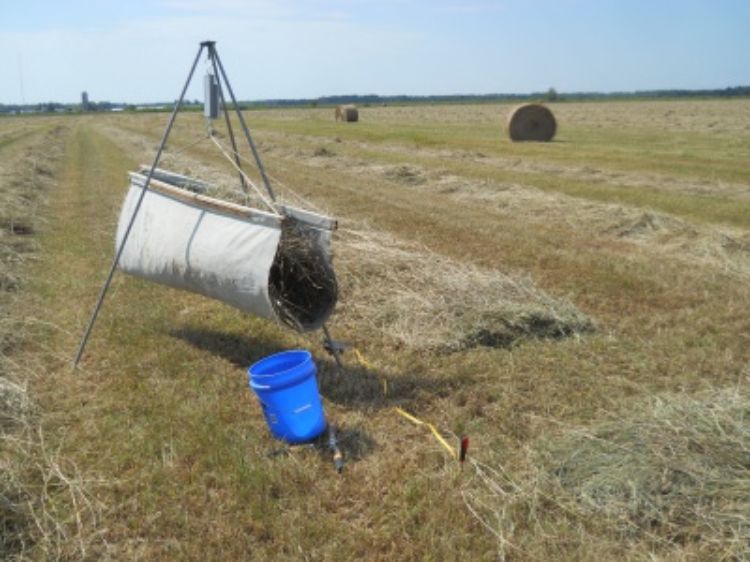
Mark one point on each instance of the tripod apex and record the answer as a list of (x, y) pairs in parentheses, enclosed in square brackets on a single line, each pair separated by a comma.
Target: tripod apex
[(208, 43)]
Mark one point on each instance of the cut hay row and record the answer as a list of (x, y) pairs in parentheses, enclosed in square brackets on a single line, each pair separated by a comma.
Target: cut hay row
[(722, 247), (670, 476), (706, 116), (675, 468), (289, 146), (532, 122), (44, 505), (24, 178), (423, 300), (414, 297)]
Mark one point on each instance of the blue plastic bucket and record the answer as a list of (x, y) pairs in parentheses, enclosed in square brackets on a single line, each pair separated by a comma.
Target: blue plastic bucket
[(287, 389)]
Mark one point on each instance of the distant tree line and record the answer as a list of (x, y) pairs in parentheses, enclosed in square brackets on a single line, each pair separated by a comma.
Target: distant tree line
[(373, 99), (550, 95), (93, 107), (733, 92), (56, 107)]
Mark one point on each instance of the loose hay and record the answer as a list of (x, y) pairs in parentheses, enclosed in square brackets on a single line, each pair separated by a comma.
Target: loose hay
[(726, 249), (421, 299), (14, 402), (323, 151), (675, 469), (409, 175), (532, 122), (302, 284)]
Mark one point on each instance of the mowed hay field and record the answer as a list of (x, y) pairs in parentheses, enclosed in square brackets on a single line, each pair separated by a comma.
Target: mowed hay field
[(578, 308)]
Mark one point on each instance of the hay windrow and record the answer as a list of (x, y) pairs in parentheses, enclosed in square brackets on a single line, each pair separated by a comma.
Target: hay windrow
[(45, 508), (415, 297), (675, 468), (532, 122), (423, 300), (323, 151)]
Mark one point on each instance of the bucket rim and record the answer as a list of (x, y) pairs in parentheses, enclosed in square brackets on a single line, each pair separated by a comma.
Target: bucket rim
[(281, 379)]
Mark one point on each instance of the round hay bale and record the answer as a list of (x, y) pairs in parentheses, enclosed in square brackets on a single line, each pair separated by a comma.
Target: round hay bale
[(532, 122), (352, 115), (347, 113)]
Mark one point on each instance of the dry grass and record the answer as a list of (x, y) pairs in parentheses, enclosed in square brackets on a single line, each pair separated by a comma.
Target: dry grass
[(418, 298), (409, 175), (14, 403), (673, 469), (669, 475), (47, 511), (620, 216)]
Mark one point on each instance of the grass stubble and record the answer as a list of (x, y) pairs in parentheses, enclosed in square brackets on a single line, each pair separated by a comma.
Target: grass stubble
[(628, 442)]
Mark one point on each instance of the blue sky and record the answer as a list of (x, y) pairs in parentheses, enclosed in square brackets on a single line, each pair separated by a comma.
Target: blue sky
[(139, 51)]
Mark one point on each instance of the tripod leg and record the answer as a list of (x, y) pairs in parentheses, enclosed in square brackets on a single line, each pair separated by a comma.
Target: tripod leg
[(258, 161), (116, 260), (212, 54)]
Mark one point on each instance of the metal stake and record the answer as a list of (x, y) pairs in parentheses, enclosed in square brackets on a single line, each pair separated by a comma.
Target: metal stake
[(332, 346), (116, 260)]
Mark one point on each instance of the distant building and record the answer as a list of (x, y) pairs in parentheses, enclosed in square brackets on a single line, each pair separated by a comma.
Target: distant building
[(85, 101)]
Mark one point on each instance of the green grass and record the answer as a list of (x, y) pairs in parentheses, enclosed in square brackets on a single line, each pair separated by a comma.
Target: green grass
[(707, 156), (703, 207), (704, 157)]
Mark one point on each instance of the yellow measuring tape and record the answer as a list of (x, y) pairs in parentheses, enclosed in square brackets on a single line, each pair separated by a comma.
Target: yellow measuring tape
[(435, 432), (365, 363)]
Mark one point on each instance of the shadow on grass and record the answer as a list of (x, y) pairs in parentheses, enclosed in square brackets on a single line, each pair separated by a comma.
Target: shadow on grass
[(353, 442), (352, 386), (241, 352)]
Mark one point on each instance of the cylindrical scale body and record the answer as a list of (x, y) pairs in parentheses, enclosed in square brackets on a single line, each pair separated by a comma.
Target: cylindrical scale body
[(211, 96)]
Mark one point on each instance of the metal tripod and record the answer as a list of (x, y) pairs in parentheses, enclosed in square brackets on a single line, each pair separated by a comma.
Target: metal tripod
[(220, 74)]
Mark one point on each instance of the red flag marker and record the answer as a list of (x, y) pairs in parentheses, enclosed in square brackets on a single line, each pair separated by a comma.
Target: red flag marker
[(464, 449)]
